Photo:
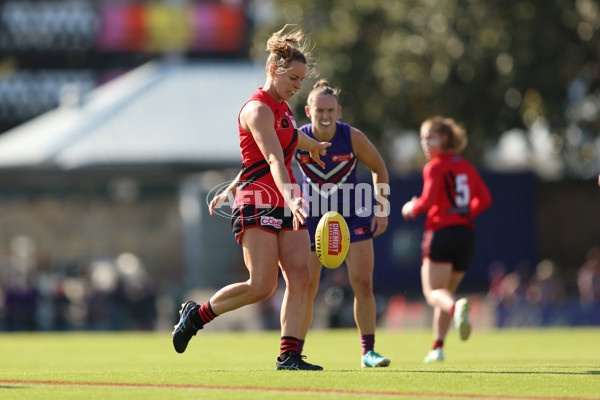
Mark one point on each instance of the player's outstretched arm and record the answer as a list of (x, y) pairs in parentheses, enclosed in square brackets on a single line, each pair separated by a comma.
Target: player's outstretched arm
[(220, 198)]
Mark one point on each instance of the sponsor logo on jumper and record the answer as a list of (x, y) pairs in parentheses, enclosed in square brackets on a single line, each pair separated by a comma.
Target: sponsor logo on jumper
[(270, 221), (304, 159), (360, 231), (341, 157), (335, 238)]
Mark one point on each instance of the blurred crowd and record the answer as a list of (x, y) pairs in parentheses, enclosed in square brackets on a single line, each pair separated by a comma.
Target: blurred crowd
[(588, 277), (535, 297), (113, 293), (117, 293)]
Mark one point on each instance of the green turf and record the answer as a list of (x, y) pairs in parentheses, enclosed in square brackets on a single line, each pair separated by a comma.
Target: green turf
[(547, 363)]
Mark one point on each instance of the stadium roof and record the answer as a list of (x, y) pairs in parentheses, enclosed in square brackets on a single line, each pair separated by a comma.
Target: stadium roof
[(162, 113)]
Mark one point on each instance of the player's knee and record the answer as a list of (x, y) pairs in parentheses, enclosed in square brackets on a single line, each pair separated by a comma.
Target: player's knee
[(429, 298), (362, 286), (313, 288), (298, 276), (262, 290)]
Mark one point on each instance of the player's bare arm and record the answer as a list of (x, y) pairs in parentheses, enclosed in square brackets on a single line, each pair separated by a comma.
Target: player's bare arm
[(367, 153), (220, 198)]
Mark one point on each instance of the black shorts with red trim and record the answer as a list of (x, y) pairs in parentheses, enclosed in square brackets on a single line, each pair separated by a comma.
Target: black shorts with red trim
[(453, 244), (271, 219)]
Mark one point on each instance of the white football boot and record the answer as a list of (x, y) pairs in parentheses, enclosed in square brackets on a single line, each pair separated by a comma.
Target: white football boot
[(435, 355), (461, 318)]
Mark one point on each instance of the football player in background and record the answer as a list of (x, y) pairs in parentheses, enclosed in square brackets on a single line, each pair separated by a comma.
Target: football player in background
[(336, 185), (453, 194)]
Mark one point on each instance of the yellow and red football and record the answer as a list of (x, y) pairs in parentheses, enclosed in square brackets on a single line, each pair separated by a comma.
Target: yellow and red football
[(332, 239)]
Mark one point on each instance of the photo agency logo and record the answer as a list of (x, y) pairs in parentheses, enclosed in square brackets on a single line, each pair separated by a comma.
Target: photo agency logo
[(349, 200), (362, 199), (258, 194)]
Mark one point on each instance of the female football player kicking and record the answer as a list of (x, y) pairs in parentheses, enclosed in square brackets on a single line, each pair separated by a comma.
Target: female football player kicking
[(268, 139)]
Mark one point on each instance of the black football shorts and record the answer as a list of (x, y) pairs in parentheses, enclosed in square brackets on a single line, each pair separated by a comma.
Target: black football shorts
[(273, 219), (454, 244)]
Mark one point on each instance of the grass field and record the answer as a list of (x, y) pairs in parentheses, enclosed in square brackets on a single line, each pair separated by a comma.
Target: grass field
[(503, 364)]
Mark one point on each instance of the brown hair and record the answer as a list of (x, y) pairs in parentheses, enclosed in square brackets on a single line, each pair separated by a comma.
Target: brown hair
[(285, 48), (322, 87), (457, 135)]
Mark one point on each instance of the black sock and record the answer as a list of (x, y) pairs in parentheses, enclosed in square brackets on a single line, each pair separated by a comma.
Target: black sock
[(203, 314)]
